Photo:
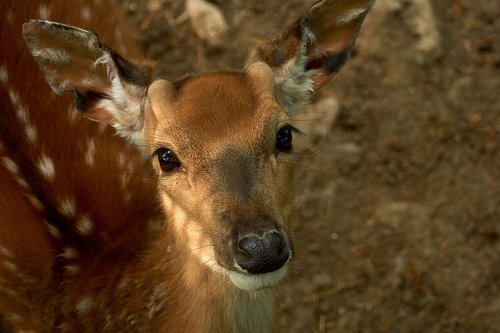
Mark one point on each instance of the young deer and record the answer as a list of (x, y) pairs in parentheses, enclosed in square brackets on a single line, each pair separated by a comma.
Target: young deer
[(82, 248)]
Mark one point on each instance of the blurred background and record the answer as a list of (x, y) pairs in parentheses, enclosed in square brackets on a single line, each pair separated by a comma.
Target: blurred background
[(398, 205)]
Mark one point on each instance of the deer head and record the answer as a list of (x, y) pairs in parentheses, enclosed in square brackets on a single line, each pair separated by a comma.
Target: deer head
[(220, 143)]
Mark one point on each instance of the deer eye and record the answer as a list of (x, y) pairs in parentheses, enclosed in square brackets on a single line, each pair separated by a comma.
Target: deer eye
[(168, 161), (284, 138)]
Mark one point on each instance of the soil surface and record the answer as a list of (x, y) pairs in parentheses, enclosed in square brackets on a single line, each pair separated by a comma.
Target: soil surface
[(398, 210)]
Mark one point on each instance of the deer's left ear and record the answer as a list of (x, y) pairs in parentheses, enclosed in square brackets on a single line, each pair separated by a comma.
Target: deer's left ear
[(306, 55), (105, 86)]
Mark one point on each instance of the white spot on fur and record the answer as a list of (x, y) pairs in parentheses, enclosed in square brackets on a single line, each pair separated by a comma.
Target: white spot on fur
[(53, 230), (84, 225), (132, 320), (44, 12), (156, 306), (24, 184), (124, 283), (130, 166), (14, 317), (22, 114), (67, 207), (109, 322), (69, 253), (35, 202), (31, 133), (14, 98), (351, 16), (121, 159), (10, 266), (84, 304), (90, 153), (72, 113), (255, 282), (63, 327), (6, 252), (71, 269), (124, 179), (46, 167), (10, 165), (86, 13), (11, 292), (4, 75)]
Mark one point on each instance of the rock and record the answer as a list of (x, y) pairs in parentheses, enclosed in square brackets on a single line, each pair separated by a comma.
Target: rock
[(347, 156), (207, 21), (420, 20), (402, 215), (153, 5), (322, 280)]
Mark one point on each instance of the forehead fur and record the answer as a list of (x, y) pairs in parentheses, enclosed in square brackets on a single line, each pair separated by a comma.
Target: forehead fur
[(210, 100), (219, 107)]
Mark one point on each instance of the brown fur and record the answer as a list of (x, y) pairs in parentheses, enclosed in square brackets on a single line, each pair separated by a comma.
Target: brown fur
[(31, 294)]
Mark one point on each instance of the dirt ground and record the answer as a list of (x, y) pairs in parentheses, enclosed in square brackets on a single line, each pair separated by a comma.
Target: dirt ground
[(398, 209)]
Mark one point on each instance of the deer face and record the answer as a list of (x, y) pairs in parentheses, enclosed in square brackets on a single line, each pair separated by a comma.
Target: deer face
[(222, 151)]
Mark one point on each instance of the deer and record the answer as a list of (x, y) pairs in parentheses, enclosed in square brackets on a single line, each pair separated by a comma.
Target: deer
[(170, 210)]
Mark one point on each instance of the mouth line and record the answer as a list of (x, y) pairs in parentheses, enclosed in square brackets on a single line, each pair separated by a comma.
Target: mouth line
[(252, 282)]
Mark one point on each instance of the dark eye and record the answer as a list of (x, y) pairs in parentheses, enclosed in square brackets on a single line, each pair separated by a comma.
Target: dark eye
[(168, 161), (284, 138)]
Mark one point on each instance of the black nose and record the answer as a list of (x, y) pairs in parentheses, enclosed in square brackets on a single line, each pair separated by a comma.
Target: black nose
[(262, 254)]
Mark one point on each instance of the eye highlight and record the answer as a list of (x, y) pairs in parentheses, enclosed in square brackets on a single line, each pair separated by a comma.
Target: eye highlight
[(167, 159), (284, 138)]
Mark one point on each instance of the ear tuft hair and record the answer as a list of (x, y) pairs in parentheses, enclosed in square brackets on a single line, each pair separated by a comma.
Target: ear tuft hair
[(105, 86), (307, 54)]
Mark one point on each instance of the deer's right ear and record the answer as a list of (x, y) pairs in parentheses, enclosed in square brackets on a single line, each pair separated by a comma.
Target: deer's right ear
[(106, 87), (307, 54)]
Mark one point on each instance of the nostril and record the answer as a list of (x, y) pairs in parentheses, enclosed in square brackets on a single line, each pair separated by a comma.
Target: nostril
[(248, 245), (272, 242), (277, 239), (261, 254)]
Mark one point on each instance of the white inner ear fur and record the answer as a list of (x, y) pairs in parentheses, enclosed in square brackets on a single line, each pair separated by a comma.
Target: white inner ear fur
[(351, 15), (125, 104), (295, 84)]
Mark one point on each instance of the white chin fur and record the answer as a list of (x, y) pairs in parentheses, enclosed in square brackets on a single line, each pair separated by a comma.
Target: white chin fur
[(255, 282)]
